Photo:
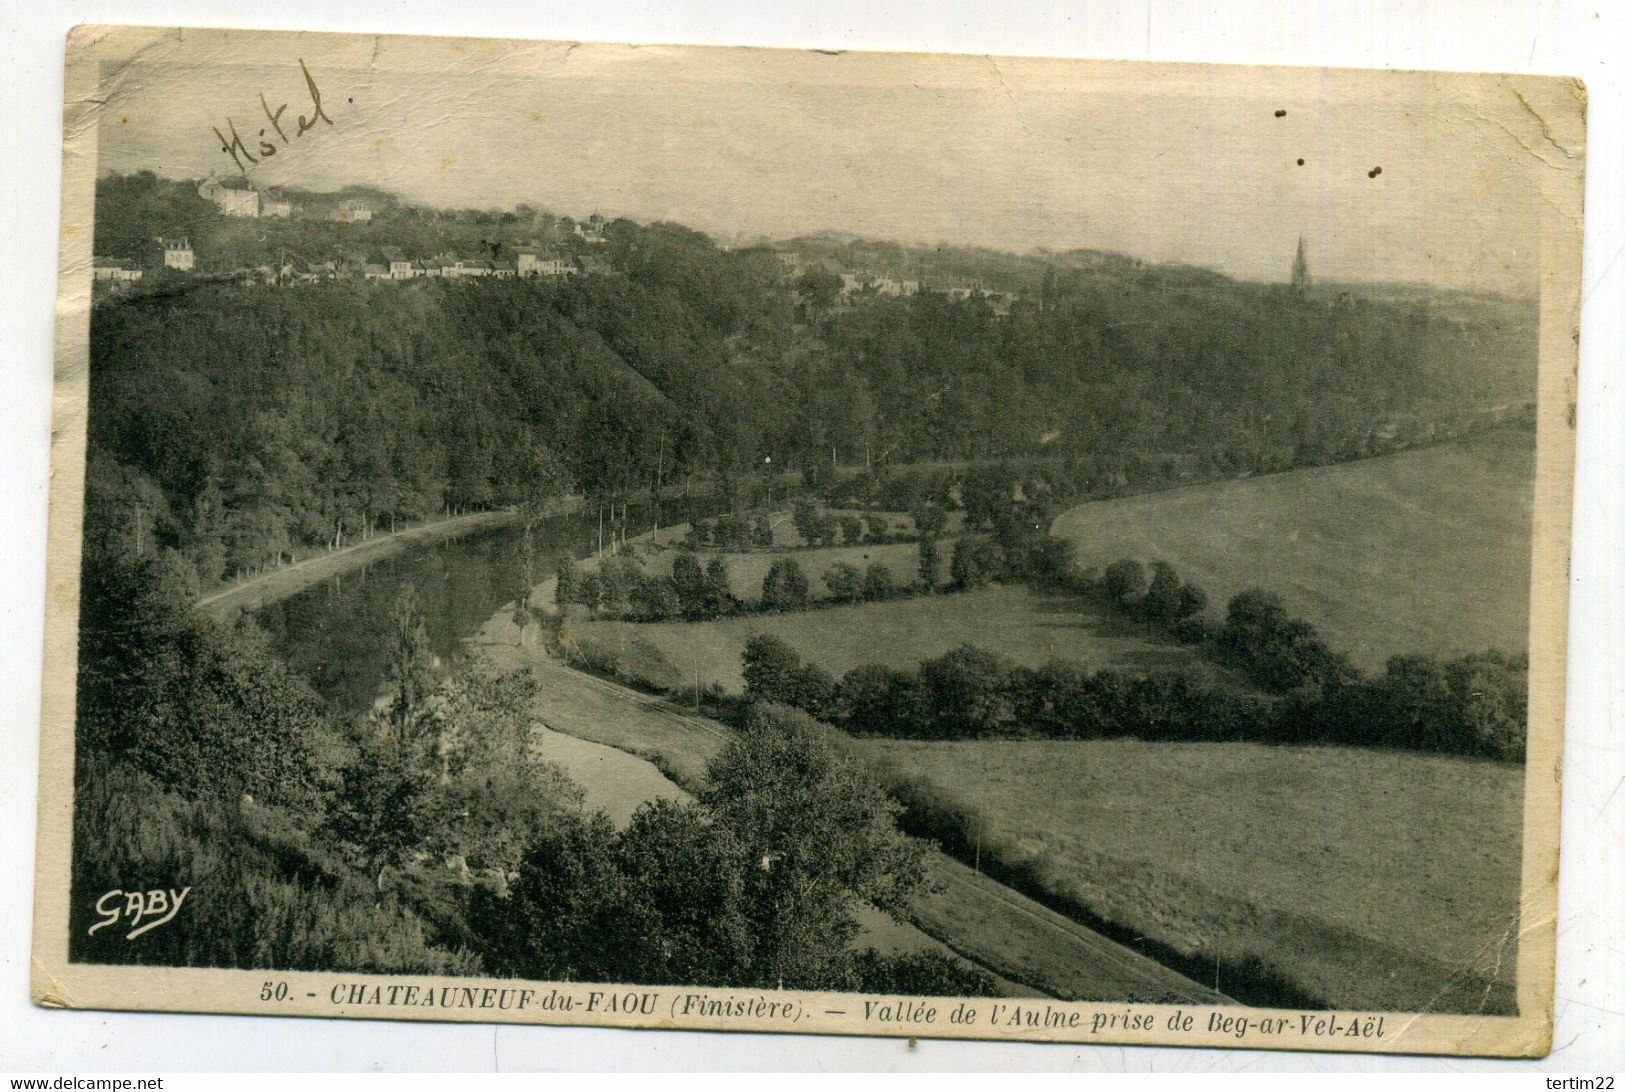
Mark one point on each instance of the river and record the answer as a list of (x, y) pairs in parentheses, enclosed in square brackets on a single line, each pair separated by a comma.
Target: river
[(336, 634)]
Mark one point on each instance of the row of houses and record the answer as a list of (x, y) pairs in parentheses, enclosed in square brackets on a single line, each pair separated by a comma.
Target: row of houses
[(884, 286), (238, 197), (391, 264), (858, 283), (794, 266), (123, 271), (385, 264)]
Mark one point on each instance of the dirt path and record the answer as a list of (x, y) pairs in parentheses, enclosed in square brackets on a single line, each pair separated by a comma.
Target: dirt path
[(268, 587)]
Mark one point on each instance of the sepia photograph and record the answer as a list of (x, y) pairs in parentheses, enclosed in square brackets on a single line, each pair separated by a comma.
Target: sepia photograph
[(829, 542)]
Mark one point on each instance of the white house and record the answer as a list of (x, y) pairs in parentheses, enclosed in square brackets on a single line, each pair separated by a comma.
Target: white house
[(274, 204), (117, 270), (351, 211), (401, 268), (530, 263), (178, 254), (593, 230), (232, 196)]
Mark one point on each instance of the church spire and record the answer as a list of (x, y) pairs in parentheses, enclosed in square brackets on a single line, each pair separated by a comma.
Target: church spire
[(1300, 269)]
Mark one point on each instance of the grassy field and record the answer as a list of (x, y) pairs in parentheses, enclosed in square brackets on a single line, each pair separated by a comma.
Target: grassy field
[(1364, 878), (1426, 551), (1028, 626)]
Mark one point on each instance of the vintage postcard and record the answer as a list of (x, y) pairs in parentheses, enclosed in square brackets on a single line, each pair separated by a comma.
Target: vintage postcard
[(785, 541)]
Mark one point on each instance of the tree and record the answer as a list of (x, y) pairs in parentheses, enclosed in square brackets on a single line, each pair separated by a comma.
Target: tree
[(805, 516), (819, 289), (685, 875), (590, 591), (882, 701), (974, 563), (785, 586), (814, 691), (718, 590), (919, 974), (567, 589), (844, 581), (1491, 702), (851, 529), (966, 694), (693, 593), (524, 579), (656, 598), (1279, 652), (930, 563), (769, 667), (1191, 602), (410, 669), (618, 579), (930, 520), (823, 840), (878, 584), (386, 805), (567, 916), (207, 709), (1162, 597), (1052, 562), (1124, 582)]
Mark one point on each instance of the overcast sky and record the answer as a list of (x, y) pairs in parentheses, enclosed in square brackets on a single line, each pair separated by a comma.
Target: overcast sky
[(1184, 164)]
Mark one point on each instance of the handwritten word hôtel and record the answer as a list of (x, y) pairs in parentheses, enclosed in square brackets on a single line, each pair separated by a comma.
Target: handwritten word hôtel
[(239, 151)]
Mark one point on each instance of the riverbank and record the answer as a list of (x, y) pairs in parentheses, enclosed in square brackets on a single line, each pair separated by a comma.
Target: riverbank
[(1029, 949), (277, 584)]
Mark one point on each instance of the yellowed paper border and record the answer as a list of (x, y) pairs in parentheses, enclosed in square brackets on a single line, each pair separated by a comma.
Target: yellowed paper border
[(1546, 116)]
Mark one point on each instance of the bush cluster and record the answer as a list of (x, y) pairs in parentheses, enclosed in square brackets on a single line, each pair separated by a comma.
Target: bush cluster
[(620, 588), (1473, 706), (732, 531)]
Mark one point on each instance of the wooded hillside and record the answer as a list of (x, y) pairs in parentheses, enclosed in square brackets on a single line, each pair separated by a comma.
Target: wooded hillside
[(236, 422)]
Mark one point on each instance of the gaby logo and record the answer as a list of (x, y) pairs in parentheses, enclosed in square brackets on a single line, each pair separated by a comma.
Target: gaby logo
[(141, 910)]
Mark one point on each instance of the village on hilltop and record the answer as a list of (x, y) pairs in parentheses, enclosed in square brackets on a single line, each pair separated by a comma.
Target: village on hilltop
[(364, 246)]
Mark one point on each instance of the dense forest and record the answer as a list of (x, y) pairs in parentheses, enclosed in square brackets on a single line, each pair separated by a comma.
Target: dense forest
[(237, 424)]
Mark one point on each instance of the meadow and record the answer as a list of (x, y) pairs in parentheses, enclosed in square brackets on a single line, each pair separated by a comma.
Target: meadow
[(1359, 878), (1425, 551), (1026, 625)]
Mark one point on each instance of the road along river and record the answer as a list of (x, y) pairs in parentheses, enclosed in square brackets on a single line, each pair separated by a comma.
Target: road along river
[(335, 633)]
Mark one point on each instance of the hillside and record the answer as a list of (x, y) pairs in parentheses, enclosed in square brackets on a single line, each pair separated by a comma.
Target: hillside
[(235, 422), (1421, 552), (1359, 879)]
